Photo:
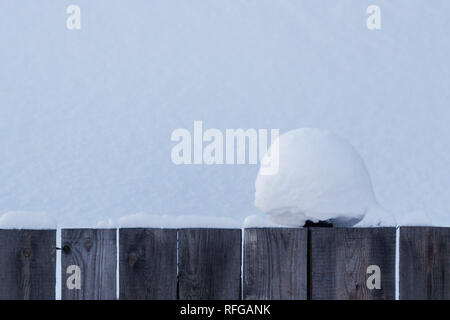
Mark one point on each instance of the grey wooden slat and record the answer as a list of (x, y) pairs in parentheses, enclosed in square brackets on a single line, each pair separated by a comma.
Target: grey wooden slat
[(424, 263), (94, 251), (275, 264), (210, 264), (148, 264), (340, 258), (27, 264)]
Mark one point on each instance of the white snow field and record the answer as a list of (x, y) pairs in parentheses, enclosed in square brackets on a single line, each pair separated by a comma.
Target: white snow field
[(86, 115)]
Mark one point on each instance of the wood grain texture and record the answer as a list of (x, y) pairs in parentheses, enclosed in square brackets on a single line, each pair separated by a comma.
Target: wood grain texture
[(148, 264), (424, 263), (27, 264), (339, 261), (95, 252), (210, 264), (275, 264)]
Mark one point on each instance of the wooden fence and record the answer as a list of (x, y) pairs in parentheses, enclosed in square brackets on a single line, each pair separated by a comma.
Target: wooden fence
[(228, 264)]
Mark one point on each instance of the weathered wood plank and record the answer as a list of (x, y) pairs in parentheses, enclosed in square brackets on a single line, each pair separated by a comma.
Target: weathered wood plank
[(210, 264), (148, 264), (424, 263), (27, 264), (340, 258), (275, 264), (94, 252)]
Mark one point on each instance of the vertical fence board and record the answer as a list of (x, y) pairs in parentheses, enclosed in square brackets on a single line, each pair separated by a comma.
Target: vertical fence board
[(340, 258), (148, 264), (210, 264), (424, 263), (27, 264), (94, 251), (275, 264)]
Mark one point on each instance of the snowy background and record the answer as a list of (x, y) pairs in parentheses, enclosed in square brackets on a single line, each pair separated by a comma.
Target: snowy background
[(86, 115)]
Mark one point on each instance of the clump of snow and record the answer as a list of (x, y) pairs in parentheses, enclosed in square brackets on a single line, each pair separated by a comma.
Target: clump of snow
[(259, 221), (415, 219), (376, 216), (145, 220), (321, 177), (27, 220)]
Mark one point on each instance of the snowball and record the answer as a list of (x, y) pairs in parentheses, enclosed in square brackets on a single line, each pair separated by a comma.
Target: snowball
[(321, 177), (27, 220)]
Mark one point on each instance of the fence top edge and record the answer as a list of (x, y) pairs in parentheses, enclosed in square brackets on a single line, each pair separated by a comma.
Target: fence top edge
[(214, 228), (176, 229), (423, 227), (206, 228), (352, 228), (27, 229), (88, 229), (275, 228)]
